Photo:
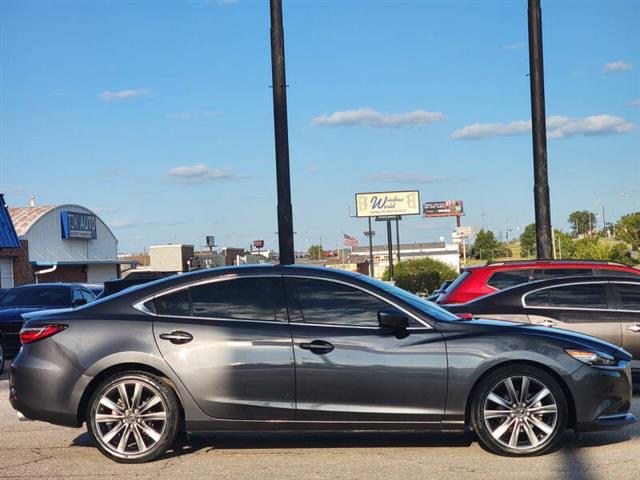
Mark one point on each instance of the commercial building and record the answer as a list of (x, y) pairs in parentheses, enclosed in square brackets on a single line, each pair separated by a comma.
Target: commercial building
[(59, 243), (447, 253)]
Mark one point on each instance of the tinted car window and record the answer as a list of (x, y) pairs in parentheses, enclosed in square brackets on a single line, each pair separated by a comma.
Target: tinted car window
[(537, 299), (578, 296), (630, 296), (242, 298), (566, 272), (88, 296), (509, 278), (334, 303), (77, 294), (176, 303), (619, 273), (49, 296)]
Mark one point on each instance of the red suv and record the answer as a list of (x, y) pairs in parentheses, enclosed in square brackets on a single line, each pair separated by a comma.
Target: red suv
[(475, 282)]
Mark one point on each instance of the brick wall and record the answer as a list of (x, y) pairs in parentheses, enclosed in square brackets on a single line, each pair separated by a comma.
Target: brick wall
[(22, 270), (66, 273)]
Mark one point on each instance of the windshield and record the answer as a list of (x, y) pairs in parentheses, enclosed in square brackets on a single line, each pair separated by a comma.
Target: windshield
[(36, 296), (429, 308)]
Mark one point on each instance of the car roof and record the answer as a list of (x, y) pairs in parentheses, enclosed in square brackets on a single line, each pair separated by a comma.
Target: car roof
[(552, 264), (50, 284)]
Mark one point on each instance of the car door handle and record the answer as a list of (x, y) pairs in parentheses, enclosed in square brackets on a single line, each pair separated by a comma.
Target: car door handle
[(634, 328), (177, 337), (319, 347)]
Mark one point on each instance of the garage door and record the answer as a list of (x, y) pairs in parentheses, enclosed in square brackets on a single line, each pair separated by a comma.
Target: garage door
[(6, 272)]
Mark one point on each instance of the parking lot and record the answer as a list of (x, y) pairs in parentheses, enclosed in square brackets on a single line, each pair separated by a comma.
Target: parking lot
[(39, 450)]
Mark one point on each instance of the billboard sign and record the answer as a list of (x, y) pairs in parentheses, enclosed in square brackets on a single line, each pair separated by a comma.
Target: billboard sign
[(78, 225), (258, 243), (375, 204), (210, 241), (447, 208)]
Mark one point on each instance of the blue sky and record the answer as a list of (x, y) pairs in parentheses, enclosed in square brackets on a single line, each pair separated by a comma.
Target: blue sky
[(158, 115)]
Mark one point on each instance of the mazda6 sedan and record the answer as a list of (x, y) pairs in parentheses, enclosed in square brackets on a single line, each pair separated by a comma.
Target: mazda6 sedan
[(291, 347)]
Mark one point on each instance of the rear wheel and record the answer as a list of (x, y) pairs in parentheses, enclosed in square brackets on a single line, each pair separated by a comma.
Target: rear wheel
[(133, 417), (519, 410)]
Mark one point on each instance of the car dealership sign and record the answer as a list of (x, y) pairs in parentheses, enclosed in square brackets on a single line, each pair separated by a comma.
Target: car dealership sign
[(447, 208), (377, 204), (78, 225)]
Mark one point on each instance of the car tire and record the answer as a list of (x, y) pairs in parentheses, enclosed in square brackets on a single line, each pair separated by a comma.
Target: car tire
[(1, 355), (510, 423), (133, 417)]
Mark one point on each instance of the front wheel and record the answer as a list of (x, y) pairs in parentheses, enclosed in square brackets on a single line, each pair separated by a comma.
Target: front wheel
[(133, 417), (519, 410)]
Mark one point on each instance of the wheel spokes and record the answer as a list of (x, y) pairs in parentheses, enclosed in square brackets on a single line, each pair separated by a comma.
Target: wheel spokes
[(524, 389), (538, 396), (499, 400)]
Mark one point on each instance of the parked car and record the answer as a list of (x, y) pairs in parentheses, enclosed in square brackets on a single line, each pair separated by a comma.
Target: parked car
[(293, 347), (475, 282), (439, 291), (606, 307), (96, 288), (30, 298)]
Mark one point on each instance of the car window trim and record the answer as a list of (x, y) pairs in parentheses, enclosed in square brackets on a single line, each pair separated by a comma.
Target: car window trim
[(365, 290), (551, 307), (506, 270), (139, 305)]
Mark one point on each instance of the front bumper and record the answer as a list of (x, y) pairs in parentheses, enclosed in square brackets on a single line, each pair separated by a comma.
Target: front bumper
[(602, 398)]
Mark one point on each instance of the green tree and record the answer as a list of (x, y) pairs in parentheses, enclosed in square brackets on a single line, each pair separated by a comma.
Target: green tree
[(420, 275), (563, 244), (619, 252), (315, 252), (628, 229), (582, 222), (528, 241), (485, 244)]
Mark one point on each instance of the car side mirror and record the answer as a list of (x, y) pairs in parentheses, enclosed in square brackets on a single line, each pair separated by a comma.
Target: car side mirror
[(393, 319), (78, 302)]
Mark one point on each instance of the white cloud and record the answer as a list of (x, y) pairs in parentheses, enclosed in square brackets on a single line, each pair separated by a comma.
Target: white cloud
[(635, 103), (400, 176), (108, 95), (368, 117), (514, 46), (617, 66), (199, 173), (122, 223), (557, 127)]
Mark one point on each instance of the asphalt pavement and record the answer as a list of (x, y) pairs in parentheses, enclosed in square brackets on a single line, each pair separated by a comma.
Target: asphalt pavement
[(35, 450)]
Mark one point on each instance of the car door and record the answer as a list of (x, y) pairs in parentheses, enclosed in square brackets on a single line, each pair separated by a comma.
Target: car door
[(579, 307), (629, 310), (228, 341), (348, 368)]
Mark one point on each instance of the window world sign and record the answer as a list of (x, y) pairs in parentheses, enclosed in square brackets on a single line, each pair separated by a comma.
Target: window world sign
[(78, 225), (375, 204)]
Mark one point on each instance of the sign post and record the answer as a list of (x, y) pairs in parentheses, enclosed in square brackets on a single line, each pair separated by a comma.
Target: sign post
[(370, 233)]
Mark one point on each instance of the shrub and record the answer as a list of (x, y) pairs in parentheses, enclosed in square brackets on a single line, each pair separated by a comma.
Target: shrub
[(420, 275)]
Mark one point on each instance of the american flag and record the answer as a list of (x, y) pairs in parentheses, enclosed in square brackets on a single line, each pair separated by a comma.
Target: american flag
[(350, 241)]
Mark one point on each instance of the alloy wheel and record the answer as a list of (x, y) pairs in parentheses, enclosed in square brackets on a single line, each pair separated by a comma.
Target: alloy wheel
[(521, 413), (130, 418)]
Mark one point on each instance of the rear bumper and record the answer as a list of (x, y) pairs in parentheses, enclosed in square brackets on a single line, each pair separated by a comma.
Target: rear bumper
[(602, 398), (45, 385)]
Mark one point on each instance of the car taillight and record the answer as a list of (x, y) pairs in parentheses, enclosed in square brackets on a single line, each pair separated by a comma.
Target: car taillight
[(465, 316), (33, 334)]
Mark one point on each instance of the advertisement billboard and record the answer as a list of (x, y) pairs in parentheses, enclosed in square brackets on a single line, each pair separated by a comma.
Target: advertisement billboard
[(258, 243), (78, 225), (374, 204), (447, 208)]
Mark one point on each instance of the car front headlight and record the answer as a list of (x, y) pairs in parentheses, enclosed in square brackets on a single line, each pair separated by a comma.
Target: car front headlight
[(593, 357)]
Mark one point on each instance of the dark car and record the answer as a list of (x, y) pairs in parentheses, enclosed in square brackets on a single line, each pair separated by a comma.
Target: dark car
[(30, 298), (290, 348), (604, 307), (475, 282)]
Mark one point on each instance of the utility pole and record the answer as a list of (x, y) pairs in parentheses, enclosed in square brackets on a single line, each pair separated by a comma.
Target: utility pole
[(398, 236), (539, 134), (279, 85), (390, 249), (370, 233)]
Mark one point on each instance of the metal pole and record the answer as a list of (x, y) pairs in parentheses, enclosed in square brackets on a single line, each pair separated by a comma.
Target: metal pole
[(539, 129), (390, 249), (370, 249), (398, 237), (285, 213)]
